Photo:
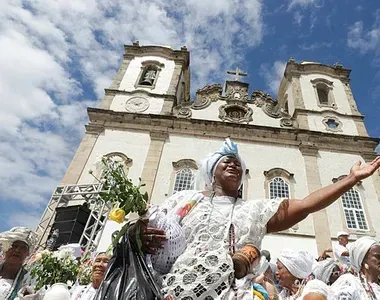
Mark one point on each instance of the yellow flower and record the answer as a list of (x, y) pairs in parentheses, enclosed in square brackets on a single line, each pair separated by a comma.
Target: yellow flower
[(117, 215)]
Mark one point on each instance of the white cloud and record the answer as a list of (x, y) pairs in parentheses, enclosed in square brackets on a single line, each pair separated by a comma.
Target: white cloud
[(305, 3), (298, 17), (273, 75), (364, 40), (25, 219), (314, 46), (58, 56)]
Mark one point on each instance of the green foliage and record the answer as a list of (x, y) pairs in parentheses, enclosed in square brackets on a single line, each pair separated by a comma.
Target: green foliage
[(121, 191)]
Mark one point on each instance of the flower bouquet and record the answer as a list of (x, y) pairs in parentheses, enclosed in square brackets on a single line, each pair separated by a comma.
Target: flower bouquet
[(54, 267), (119, 191)]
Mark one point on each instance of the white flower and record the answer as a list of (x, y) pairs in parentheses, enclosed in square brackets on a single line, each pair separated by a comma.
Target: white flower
[(69, 283), (103, 181), (39, 257)]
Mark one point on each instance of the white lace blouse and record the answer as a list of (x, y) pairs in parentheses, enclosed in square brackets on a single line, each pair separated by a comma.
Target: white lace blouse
[(205, 270)]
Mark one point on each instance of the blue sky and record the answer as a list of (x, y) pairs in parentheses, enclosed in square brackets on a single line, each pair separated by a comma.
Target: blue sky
[(57, 58)]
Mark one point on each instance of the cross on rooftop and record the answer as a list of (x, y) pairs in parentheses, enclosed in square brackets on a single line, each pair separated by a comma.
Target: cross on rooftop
[(237, 73)]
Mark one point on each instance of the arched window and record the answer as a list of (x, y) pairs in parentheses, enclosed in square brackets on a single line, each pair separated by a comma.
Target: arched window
[(184, 180), (278, 188), (183, 175), (323, 95), (354, 211), (278, 183), (149, 73), (324, 92)]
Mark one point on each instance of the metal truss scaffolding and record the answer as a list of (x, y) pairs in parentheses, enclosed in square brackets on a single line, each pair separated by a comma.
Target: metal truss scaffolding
[(71, 194)]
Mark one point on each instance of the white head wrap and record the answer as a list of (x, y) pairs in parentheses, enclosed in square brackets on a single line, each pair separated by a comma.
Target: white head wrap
[(316, 286), (342, 233), (23, 234), (323, 269), (209, 164), (359, 249), (298, 263)]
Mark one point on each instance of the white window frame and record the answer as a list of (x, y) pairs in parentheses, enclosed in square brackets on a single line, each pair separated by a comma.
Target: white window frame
[(184, 185), (348, 207), (178, 167), (278, 179)]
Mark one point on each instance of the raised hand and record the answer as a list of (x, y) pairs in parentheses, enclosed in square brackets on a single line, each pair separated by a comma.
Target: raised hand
[(360, 171)]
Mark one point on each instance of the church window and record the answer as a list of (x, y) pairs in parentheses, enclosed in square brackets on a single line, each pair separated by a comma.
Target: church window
[(235, 112), (149, 74), (323, 96), (354, 211), (184, 180), (278, 183), (278, 188), (332, 123), (183, 175), (324, 92)]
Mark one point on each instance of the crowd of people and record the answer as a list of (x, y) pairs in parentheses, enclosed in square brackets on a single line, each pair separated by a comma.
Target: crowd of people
[(192, 240)]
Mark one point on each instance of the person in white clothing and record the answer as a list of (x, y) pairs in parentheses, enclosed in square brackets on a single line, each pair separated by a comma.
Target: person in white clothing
[(216, 223), (365, 259), (340, 250), (99, 267)]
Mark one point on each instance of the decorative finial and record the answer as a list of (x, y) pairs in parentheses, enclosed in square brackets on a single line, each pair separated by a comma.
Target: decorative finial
[(338, 65), (184, 48), (136, 44)]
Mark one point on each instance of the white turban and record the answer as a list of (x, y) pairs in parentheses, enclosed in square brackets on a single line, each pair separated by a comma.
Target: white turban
[(316, 286), (323, 269), (342, 233), (359, 249), (298, 263), (22, 234), (209, 164)]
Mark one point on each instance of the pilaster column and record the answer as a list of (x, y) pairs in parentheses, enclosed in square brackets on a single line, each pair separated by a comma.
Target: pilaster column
[(82, 155), (152, 162), (320, 219)]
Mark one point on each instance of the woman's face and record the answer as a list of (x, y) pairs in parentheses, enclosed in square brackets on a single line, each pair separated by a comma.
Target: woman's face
[(372, 259), (335, 274), (229, 172), (18, 252), (99, 266), (285, 278)]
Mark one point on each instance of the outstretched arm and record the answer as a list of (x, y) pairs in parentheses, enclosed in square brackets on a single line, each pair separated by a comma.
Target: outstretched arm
[(291, 212)]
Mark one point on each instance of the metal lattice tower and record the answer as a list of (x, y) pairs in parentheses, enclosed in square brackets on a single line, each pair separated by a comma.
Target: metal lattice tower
[(62, 196)]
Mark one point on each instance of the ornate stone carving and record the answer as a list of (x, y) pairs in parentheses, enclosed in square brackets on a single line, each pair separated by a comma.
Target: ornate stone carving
[(278, 172), (267, 104), (183, 110), (136, 104), (206, 95), (185, 163), (235, 113), (237, 91), (286, 122)]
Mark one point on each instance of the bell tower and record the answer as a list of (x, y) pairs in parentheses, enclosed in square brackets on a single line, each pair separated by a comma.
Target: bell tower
[(319, 98), (151, 80)]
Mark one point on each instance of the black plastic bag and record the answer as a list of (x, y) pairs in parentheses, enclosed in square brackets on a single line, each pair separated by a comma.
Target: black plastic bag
[(128, 276)]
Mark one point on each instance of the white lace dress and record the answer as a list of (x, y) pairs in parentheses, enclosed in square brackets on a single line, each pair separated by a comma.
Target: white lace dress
[(349, 287), (5, 287), (205, 269)]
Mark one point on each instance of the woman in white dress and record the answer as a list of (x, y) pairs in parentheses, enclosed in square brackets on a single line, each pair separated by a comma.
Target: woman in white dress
[(365, 259), (99, 267), (293, 268), (327, 271), (16, 245), (217, 222)]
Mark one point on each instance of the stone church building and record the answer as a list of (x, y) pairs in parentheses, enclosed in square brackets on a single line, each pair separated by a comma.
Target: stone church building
[(307, 138)]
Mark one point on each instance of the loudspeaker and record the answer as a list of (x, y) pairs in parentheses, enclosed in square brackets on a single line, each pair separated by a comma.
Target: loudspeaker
[(70, 221)]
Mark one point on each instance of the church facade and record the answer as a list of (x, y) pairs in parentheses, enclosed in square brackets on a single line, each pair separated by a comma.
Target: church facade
[(307, 138)]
